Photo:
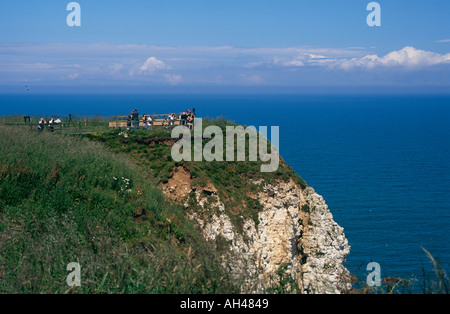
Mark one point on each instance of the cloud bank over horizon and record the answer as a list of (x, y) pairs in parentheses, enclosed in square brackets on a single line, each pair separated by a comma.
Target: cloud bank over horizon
[(108, 64), (408, 57)]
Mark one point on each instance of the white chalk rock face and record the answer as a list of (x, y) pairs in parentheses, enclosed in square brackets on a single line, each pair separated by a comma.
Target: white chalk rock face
[(295, 233)]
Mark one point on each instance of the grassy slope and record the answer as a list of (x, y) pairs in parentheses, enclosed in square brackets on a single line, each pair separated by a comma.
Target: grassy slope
[(65, 199), (231, 179)]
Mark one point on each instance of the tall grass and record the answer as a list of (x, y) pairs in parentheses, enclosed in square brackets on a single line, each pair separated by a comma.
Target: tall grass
[(65, 199), (436, 283)]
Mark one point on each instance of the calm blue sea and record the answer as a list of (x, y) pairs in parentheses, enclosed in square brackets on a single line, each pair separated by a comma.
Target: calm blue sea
[(382, 163)]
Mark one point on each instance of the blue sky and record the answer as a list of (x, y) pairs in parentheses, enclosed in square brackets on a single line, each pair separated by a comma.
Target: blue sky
[(214, 44)]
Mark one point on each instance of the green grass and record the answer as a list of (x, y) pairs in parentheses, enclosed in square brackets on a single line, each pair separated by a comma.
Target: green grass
[(65, 199), (233, 180)]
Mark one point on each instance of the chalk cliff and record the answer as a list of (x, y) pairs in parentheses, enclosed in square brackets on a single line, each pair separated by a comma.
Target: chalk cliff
[(293, 238)]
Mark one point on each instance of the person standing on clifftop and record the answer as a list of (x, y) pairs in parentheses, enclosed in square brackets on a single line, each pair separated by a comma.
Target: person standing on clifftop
[(135, 117)]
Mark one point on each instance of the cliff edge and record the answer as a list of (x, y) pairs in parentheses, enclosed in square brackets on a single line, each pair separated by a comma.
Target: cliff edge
[(293, 237), (272, 231)]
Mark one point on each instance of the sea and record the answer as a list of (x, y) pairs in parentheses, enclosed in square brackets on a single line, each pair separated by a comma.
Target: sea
[(381, 162)]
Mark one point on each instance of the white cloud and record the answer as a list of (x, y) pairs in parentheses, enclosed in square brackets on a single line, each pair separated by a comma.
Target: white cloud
[(443, 41), (152, 64), (105, 64), (251, 79), (306, 59), (297, 62), (409, 57), (252, 65), (173, 79), (115, 68), (73, 76)]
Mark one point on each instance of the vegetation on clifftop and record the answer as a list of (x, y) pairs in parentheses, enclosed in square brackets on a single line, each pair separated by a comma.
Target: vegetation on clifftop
[(66, 199), (94, 199), (232, 179)]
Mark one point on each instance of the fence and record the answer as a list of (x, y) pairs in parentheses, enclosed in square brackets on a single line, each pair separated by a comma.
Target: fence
[(84, 125)]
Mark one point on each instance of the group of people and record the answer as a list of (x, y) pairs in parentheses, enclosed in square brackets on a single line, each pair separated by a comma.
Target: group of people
[(51, 123), (147, 120), (133, 119), (186, 118)]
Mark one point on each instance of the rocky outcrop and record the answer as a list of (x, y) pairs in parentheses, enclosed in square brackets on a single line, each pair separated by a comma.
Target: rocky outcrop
[(294, 236), (323, 246)]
